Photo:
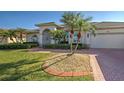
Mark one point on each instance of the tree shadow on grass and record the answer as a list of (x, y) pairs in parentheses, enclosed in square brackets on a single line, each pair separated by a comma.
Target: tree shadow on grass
[(22, 62), (4, 68), (55, 62), (17, 74)]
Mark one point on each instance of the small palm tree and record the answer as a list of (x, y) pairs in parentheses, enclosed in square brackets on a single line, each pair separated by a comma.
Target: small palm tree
[(84, 25), (70, 20)]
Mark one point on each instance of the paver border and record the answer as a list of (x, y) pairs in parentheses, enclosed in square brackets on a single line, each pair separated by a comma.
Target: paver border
[(97, 73)]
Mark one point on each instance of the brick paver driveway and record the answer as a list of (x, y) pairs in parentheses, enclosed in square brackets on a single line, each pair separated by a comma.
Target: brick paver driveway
[(111, 62)]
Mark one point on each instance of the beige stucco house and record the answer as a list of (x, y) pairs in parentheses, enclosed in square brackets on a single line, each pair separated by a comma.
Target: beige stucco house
[(108, 35)]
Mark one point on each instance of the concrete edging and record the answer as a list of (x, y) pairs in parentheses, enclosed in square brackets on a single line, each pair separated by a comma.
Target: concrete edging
[(97, 73)]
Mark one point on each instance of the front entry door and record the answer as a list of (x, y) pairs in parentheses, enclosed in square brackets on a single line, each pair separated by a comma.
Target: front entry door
[(46, 38)]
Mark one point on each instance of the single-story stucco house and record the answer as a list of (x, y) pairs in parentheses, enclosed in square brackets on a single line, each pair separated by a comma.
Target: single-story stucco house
[(7, 40), (108, 35)]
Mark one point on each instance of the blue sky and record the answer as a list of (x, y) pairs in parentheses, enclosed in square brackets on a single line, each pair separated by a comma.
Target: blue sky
[(27, 19)]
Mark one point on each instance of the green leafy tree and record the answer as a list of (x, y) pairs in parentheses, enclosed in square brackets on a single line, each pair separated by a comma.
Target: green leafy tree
[(58, 35)]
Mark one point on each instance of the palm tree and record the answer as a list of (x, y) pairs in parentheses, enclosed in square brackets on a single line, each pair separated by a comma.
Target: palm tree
[(84, 25), (70, 20), (20, 32), (12, 34), (8, 33)]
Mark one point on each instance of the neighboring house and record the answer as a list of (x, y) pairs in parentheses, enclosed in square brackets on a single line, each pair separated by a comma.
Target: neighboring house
[(108, 35), (8, 40)]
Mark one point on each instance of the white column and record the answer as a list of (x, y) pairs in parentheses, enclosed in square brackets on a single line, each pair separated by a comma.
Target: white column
[(69, 39), (40, 37)]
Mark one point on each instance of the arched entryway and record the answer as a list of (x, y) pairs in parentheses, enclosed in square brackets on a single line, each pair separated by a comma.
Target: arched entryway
[(46, 37)]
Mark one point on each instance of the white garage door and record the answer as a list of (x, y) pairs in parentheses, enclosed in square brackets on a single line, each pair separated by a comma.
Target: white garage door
[(107, 41)]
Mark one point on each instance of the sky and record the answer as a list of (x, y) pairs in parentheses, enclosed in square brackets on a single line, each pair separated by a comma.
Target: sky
[(28, 19)]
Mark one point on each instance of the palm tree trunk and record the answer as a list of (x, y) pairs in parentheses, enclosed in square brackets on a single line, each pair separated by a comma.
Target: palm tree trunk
[(71, 41), (11, 38), (21, 37), (15, 38), (71, 47), (76, 46), (79, 36)]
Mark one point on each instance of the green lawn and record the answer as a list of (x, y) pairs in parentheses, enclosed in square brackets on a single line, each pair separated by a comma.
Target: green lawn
[(23, 65)]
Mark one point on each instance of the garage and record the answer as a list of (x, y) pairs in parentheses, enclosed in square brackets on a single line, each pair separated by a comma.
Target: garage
[(107, 40)]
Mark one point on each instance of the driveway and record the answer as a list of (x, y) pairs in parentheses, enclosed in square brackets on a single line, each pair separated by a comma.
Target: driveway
[(111, 62)]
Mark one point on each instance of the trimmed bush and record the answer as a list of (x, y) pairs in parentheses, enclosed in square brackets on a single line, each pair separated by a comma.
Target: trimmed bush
[(17, 46), (33, 44), (56, 46), (64, 46), (30, 43)]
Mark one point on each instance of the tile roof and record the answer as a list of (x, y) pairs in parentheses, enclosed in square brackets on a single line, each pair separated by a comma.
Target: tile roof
[(46, 24)]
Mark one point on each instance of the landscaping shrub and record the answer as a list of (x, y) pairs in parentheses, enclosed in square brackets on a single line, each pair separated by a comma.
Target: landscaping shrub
[(57, 46), (18, 46), (64, 46), (30, 43), (33, 44)]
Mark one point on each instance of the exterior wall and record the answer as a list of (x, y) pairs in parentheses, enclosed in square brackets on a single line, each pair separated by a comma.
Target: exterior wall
[(113, 38), (83, 40)]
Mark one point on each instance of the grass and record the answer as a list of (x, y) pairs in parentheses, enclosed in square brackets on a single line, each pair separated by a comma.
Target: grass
[(22, 65)]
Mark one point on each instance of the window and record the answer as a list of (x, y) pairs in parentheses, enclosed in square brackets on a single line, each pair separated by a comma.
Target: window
[(34, 38)]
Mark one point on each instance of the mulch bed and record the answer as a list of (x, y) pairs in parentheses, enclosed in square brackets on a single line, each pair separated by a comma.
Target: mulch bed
[(64, 65)]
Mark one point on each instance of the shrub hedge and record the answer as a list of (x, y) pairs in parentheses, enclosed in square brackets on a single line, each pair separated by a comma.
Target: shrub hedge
[(64, 46), (17, 46)]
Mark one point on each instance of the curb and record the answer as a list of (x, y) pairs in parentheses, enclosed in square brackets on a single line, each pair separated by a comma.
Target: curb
[(97, 73)]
